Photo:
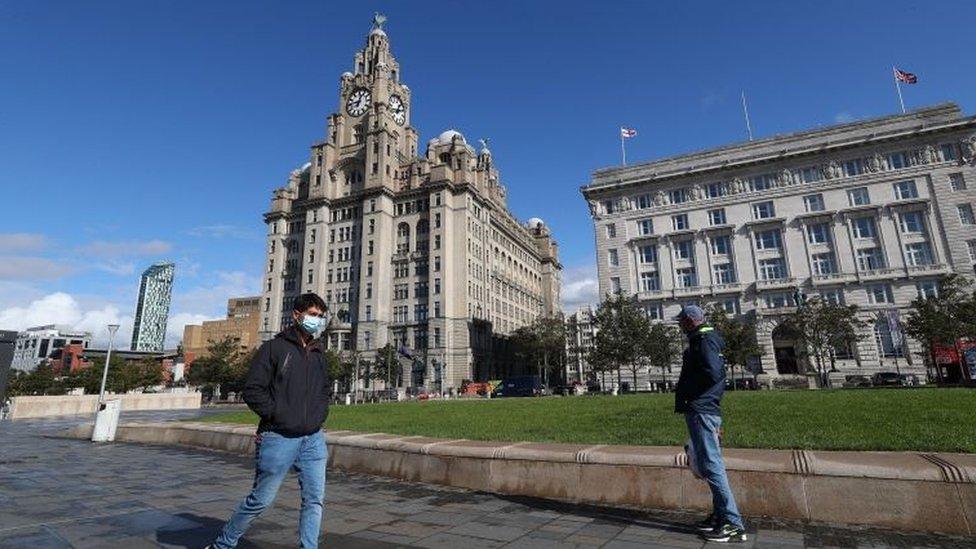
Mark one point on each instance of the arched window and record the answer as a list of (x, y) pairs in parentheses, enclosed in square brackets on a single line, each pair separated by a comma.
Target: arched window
[(403, 238), (888, 346)]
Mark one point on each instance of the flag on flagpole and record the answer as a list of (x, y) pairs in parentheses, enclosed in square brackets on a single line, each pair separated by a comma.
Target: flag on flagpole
[(905, 77), (627, 132)]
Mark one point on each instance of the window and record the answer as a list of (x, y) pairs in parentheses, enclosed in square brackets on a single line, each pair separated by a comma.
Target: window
[(761, 182), (966, 214), (896, 161), (768, 240), (772, 269), (886, 343), (918, 253), (612, 258), (971, 244), (956, 182), (715, 190), (645, 227), (369, 248), (863, 227), (654, 311), (911, 222), (369, 290), (870, 259), (437, 286), (763, 210), (650, 282), (927, 289), (723, 273), (778, 300), (608, 206), (905, 190), (611, 230), (647, 254), (809, 175), (679, 222), (948, 152), (853, 167), (834, 297), (858, 196), (730, 306), (644, 201), (615, 285), (686, 277), (818, 233), (369, 268), (678, 196), (824, 264), (683, 249), (716, 217), (721, 245), (814, 203), (437, 241)]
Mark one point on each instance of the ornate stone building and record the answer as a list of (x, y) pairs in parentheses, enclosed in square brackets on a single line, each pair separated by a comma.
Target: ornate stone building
[(580, 339), (870, 213), (411, 247)]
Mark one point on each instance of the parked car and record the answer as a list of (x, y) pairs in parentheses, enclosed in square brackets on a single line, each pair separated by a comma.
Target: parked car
[(742, 384), (521, 386), (856, 381), (910, 380), (886, 379)]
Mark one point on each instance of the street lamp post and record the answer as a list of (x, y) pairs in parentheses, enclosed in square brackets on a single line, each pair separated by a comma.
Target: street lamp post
[(112, 328)]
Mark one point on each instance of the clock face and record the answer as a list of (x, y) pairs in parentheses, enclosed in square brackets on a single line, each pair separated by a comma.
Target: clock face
[(397, 109), (358, 102)]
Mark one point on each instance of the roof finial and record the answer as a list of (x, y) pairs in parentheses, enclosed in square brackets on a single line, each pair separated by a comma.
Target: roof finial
[(484, 143), (378, 20)]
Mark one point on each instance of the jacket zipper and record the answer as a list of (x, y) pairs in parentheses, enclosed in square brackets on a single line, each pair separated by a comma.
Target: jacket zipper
[(307, 382)]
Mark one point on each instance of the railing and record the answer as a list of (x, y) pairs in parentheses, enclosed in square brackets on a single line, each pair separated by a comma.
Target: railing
[(831, 278), (690, 290), (775, 283), (727, 287), (927, 269), (885, 272)]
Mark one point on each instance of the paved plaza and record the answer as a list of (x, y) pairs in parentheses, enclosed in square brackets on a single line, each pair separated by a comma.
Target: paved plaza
[(68, 493)]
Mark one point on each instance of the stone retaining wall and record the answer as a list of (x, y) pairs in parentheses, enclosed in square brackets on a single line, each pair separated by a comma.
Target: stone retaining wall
[(25, 407), (906, 491)]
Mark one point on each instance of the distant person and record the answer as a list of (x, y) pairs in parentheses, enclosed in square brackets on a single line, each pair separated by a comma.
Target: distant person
[(288, 387), (699, 397)]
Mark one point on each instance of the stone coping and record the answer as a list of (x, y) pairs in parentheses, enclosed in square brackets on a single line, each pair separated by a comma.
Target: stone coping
[(902, 490)]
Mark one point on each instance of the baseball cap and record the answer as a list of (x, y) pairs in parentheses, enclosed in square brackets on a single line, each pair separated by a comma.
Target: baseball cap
[(693, 312)]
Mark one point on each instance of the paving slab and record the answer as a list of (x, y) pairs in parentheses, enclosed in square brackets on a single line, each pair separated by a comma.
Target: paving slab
[(62, 493)]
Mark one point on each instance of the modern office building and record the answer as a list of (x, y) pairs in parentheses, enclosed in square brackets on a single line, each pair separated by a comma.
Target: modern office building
[(152, 309), (243, 317), (580, 339), (37, 344), (410, 246), (870, 213)]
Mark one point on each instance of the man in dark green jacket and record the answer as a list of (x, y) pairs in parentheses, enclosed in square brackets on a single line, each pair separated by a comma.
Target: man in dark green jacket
[(699, 397)]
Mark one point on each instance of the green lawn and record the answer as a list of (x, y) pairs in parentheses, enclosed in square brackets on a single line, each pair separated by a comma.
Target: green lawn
[(874, 419)]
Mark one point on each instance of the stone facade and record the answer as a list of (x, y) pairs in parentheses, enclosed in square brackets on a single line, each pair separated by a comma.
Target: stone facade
[(152, 309), (409, 247), (243, 318), (580, 339), (870, 213), (37, 344)]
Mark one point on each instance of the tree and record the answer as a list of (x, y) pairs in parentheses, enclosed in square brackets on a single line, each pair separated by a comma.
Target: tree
[(339, 370), (388, 368), (223, 364), (821, 328), (549, 333), (661, 346), (741, 342), (620, 325), (40, 381), (945, 318)]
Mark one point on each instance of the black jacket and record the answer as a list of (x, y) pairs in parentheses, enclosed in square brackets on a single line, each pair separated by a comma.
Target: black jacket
[(702, 380), (288, 386)]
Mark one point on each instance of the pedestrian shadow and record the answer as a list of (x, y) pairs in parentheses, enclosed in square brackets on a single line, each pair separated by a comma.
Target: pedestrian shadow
[(667, 521), (199, 536)]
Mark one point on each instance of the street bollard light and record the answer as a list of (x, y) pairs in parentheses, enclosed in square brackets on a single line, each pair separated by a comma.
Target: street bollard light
[(112, 328)]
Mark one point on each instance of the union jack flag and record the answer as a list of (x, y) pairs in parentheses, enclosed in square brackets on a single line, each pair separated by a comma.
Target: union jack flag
[(627, 132), (905, 77)]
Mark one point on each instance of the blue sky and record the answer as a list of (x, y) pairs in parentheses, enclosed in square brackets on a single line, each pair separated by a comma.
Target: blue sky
[(137, 131)]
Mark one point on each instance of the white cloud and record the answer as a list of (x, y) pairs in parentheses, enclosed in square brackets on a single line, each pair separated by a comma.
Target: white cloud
[(31, 268), (103, 248), (119, 268), (21, 241), (580, 287), (174, 328), (64, 310)]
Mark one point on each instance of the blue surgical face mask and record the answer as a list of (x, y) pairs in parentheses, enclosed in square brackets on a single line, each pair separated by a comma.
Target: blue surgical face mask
[(312, 324)]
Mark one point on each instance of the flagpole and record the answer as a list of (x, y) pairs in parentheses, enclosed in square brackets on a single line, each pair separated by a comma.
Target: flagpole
[(623, 148), (745, 109), (901, 101)]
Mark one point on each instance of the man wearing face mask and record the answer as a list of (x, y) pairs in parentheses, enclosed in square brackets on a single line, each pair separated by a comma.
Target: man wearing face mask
[(288, 387)]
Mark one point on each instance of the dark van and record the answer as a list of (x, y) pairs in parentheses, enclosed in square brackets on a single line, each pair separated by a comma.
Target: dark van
[(520, 386)]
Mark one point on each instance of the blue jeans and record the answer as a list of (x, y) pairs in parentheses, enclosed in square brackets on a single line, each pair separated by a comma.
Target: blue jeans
[(703, 429), (275, 455)]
